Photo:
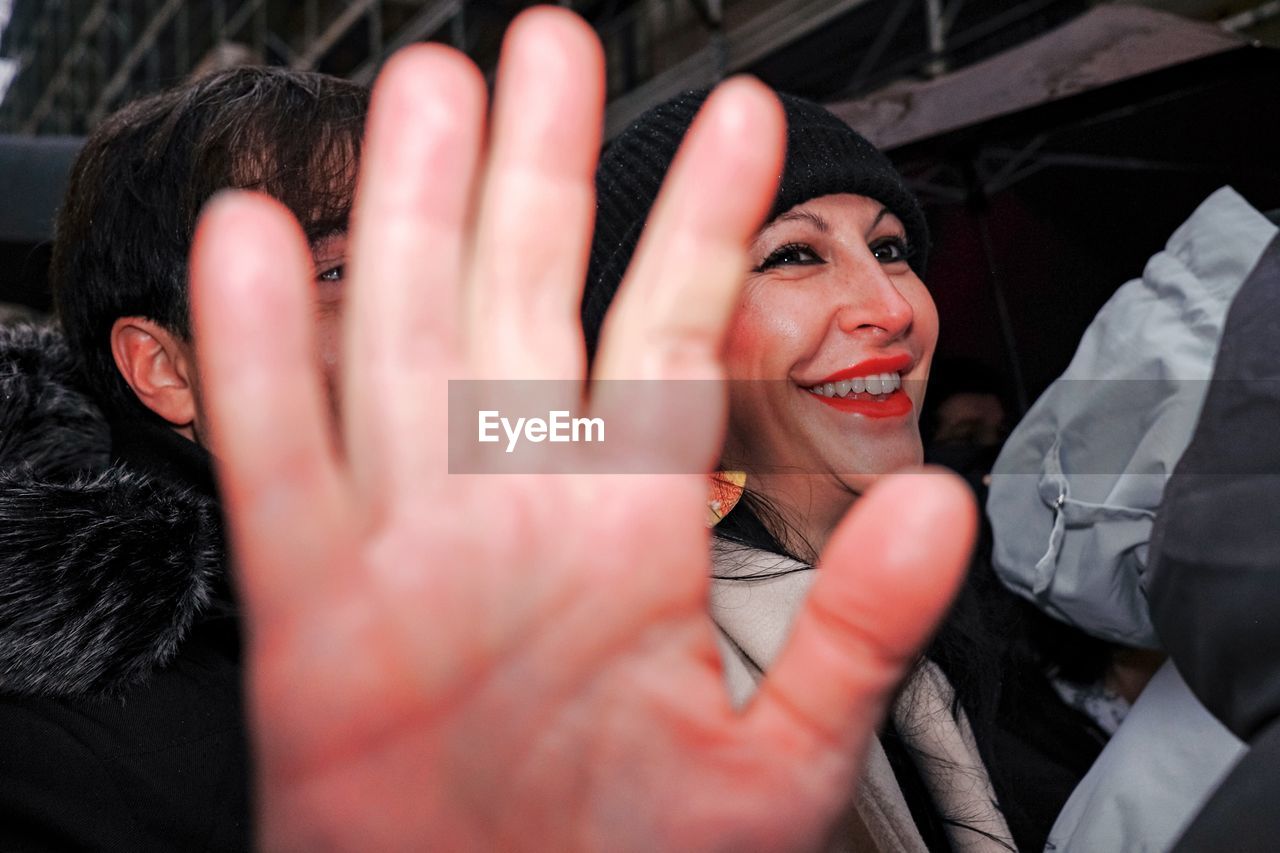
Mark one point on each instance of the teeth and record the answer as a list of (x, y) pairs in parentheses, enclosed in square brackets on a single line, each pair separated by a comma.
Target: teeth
[(879, 383)]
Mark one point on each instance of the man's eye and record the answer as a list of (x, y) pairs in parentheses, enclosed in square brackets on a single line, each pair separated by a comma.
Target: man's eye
[(792, 254), (891, 250), (337, 273)]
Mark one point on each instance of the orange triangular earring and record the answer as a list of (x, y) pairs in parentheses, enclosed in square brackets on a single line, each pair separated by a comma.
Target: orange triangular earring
[(725, 492)]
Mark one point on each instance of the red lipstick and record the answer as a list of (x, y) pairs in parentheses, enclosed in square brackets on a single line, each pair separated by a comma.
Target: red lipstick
[(870, 367), (892, 405)]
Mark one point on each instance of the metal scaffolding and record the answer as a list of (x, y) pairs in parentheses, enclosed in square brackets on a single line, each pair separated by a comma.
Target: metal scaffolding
[(79, 59)]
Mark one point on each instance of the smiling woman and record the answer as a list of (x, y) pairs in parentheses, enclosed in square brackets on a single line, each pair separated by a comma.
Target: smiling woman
[(834, 337), (827, 356)]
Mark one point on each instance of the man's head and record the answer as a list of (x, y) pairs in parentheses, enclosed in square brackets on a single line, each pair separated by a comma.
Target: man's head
[(124, 232)]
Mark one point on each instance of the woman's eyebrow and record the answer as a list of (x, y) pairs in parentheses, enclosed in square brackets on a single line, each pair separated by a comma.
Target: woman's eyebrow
[(795, 216), (805, 216), (884, 211)]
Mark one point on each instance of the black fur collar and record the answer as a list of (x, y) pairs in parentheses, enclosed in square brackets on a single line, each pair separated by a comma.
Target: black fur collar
[(104, 567)]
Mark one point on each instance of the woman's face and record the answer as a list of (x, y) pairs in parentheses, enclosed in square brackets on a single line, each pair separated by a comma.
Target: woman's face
[(835, 332)]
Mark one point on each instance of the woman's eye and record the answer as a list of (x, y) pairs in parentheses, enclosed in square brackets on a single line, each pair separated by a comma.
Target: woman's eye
[(890, 250), (792, 254), (337, 273)]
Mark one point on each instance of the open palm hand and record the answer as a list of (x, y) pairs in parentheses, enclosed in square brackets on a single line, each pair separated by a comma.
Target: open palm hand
[(510, 661)]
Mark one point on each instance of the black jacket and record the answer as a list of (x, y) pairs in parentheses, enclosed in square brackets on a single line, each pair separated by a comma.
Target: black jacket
[(1215, 565), (120, 704)]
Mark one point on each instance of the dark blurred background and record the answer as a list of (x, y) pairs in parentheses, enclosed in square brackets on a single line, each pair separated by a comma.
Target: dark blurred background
[(1056, 143)]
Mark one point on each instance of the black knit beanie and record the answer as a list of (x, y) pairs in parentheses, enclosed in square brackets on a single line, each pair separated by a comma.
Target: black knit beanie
[(824, 157)]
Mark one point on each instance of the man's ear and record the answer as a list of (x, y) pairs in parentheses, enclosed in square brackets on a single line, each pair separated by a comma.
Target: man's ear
[(159, 367)]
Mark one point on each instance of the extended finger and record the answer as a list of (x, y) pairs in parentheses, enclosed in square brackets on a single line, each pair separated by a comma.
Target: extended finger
[(418, 171), (670, 315), (534, 226), (252, 301), (886, 578)]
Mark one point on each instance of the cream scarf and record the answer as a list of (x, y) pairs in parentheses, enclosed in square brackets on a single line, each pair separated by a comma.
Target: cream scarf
[(754, 618)]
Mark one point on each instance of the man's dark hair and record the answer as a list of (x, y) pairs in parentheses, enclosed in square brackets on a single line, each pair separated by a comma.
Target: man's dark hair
[(125, 228)]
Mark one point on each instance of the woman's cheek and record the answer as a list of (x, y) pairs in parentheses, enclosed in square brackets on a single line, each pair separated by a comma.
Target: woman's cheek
[(763, 330), (742, 340)]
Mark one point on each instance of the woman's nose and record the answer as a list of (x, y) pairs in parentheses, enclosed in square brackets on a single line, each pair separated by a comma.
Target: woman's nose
[(873, 303)]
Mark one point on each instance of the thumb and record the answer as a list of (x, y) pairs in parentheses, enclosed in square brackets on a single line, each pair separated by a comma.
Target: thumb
[(885, 579)]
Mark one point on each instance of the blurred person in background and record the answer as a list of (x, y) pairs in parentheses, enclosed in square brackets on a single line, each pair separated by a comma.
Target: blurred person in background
[(966, 419), (120, 666)]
